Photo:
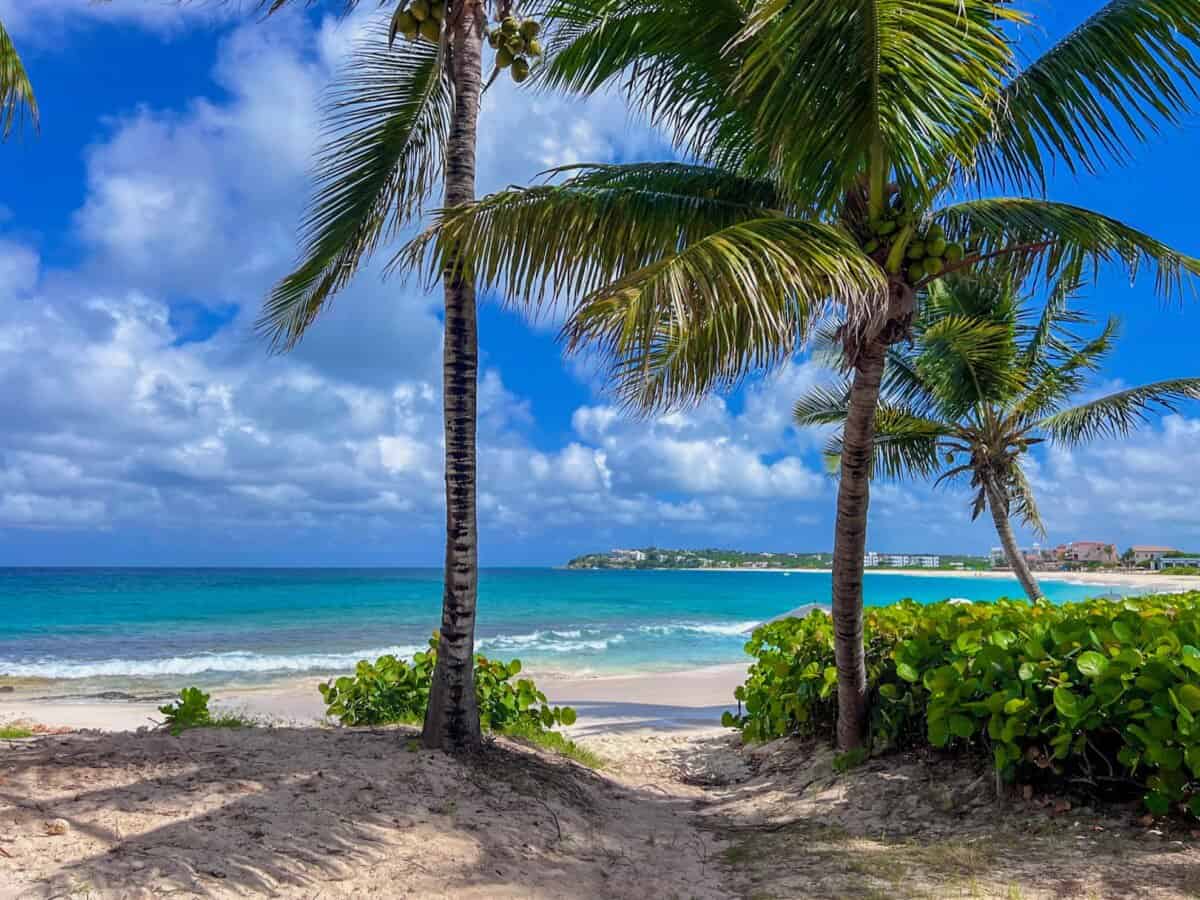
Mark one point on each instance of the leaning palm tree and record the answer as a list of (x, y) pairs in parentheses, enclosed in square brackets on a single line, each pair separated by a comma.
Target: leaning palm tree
[(981, 383), (16, 92), (400, 120), (841, 153)]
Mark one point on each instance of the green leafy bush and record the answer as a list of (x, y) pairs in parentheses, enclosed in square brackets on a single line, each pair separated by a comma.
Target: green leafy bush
[(1103, 691), (189, 711), (395, 690)]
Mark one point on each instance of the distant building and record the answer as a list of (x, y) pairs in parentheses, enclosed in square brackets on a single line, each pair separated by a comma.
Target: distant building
[(1167, 562), (1087, 552), (927, 562), (632, 555), (871, 560), (1148, 552)]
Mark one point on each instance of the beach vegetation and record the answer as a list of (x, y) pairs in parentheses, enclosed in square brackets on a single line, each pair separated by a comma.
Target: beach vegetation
[(824, 141), (1101, 696), (191, 710), (984, 379), (393, 690), (14, 731)]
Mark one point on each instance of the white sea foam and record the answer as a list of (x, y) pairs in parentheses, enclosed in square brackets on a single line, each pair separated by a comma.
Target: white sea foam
[(549, 642), (720, 629), (195, 665)]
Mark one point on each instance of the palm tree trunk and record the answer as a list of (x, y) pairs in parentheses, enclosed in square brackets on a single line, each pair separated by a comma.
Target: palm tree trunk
[(849, 544), (452, 720), (1004, 528)]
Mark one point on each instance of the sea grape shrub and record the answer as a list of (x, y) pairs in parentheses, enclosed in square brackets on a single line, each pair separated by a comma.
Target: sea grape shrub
[(392, 690), (1087, 690)]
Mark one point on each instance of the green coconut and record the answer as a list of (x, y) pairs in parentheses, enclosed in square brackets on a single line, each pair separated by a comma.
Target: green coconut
[(887, 226), (871, 246), (520, 69), (508, 25), (533, 46), (431, 30), (530, 29), (936, 247), (933, 265), (494, 39), (954, 253), (935, 231), (410, 32), (438, 11), (402, 23), (915, 273), (916, 250), (504, 58), (420, 10), (515, 44)]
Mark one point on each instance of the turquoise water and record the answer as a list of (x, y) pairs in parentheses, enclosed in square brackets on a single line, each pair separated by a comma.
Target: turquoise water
[(219, 625)]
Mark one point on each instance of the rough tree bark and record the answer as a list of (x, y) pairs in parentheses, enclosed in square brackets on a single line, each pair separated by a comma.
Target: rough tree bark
[(999, 508), (452, 720)]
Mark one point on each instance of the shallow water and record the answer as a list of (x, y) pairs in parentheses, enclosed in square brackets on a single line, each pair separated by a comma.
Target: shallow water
[(130, 628)]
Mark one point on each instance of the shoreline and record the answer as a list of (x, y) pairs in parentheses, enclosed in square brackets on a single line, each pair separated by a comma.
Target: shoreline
[(606, 703)]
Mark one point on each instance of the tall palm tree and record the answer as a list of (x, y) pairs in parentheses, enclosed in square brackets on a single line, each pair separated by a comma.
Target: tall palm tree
[(402, 118), (16, 92), (829, 141), (981, 383)]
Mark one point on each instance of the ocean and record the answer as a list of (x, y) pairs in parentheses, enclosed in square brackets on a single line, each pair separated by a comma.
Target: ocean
[(162, 628)]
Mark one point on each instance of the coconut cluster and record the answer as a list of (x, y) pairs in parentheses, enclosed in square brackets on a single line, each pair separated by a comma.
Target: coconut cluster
[(516, 43), (419, 20), (927, 253)]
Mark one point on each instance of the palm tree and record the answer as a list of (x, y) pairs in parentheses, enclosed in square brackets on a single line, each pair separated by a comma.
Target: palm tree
[(829, 141), (402, 117), (980, 384), (16, 92)]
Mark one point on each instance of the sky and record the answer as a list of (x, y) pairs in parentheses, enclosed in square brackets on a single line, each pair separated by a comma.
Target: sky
[(143, 423)]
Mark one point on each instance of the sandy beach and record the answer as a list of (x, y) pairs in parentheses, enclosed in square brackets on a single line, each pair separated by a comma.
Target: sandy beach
[(694, 699)]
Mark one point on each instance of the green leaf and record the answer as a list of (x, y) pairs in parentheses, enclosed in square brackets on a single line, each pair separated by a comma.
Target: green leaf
[(1092, 664), (1066, 703), (961, 726), (1189, 696), (907, 672)]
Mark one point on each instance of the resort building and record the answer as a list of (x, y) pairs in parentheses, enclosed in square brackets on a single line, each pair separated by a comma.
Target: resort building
[(1143, 553), (1087, 552), (631, 555), (1169, 562), (901, 561)]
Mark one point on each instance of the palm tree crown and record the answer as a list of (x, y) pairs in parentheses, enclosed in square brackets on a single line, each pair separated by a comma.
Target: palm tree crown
[(982, 382)]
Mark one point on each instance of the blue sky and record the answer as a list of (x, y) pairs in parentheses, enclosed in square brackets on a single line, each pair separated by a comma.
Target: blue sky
[(143, 423)]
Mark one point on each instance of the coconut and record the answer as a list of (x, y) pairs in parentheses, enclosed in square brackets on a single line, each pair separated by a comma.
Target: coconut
[(871, 246), (916, 272), (936, 247), (509, 25), (916, 250), (504, 58), (431, 30), (533, 46), (411, 32), (515, 44), (933, 265), (935, 231), (494, 39), (954, 253), (530, 29), (420, 10), (438, 11), (887, 226), (404, 23), (520, 69)]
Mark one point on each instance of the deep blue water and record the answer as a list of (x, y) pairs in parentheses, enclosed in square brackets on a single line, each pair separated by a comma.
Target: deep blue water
[(211, 625)]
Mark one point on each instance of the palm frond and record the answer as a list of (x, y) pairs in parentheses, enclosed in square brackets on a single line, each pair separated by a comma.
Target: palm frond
[(826, 81), (736, 301), (965, 361), (1060, 240), (822, 404), (1116, 415), (562, 242), (1053, 385), (16, 92), (906, 443), (1117, 78), (1046, 341), (1021, 500), (672, 60), (386, 122)]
